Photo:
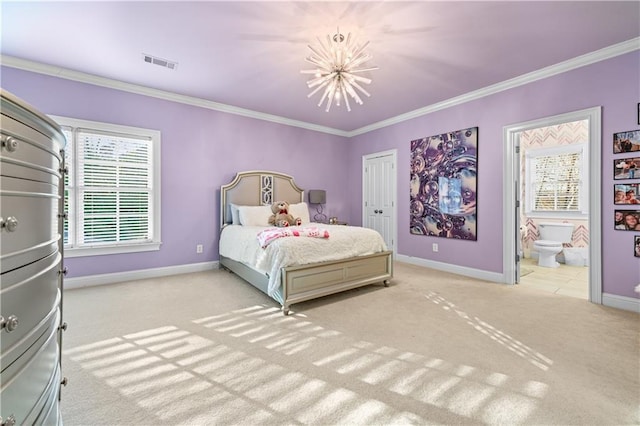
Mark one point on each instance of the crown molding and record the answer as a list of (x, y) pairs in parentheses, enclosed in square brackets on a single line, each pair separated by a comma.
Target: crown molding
[(24, 64), (568, 65), (559, 68)]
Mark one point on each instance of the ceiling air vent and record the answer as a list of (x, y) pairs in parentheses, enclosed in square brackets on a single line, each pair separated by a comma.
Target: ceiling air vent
[(159, 61)]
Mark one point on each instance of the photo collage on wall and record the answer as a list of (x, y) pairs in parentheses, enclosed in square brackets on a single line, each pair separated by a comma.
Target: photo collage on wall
[(626, 194)]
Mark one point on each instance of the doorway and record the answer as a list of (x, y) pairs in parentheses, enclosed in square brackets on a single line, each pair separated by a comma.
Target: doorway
[(513, 202), (379, 193)]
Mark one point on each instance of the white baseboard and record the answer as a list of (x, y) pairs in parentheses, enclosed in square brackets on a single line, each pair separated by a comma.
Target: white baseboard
[(454, 269), (118, 277), (621, 302)]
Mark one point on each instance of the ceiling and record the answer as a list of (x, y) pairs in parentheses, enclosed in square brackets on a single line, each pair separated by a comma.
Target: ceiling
[(248, 54)]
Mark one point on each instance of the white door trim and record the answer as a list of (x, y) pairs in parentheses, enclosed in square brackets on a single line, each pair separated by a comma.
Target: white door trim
[(593, 115), (394, 195)]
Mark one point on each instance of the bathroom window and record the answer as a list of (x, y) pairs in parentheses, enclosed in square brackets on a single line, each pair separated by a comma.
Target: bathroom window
[(555, 181)]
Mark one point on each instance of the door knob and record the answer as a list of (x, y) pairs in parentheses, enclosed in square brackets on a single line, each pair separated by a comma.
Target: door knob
[(380, 211), (10, 421), (10, 144), (10, 224), (9, 324)]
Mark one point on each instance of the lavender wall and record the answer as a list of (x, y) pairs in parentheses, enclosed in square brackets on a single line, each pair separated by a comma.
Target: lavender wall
[(612, 84), (201, 150)]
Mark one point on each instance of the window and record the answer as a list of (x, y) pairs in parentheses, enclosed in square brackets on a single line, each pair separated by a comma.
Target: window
[(555, 180), (112, 188)]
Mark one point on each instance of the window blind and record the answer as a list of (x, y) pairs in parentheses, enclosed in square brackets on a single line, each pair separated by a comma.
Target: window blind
[(114, 187), (557, 182)]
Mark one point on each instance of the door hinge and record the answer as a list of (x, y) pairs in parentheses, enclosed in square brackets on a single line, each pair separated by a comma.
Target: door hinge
[(517, 258), (517, 203)]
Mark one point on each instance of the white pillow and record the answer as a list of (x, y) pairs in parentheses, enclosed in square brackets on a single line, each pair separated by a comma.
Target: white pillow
[(300, 210), (235, 214), (254, 215)]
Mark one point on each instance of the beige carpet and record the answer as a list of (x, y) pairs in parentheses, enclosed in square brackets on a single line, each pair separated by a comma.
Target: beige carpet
[(433, 348)]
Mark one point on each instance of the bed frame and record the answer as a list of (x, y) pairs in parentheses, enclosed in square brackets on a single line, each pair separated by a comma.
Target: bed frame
[(299, 283)]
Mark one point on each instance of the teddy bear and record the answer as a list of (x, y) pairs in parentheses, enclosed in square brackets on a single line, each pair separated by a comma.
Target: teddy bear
[(281, 216)]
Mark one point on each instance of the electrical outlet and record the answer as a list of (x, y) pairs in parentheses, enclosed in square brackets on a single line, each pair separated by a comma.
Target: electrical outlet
[(435, 247), (199, 248)]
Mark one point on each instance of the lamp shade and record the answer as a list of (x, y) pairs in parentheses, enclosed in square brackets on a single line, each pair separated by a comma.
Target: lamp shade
[(317, 196)]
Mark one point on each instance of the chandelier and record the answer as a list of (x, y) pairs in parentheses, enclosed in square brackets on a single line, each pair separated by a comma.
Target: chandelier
[(338, 63)]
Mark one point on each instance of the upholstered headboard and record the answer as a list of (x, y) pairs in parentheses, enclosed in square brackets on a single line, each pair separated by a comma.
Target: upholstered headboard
[(255, 188)]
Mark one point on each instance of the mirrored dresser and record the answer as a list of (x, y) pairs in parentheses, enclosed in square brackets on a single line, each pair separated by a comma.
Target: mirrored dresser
[(31, 264)]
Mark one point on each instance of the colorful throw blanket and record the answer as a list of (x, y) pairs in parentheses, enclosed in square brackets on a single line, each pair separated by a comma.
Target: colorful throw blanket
[(267, 236)]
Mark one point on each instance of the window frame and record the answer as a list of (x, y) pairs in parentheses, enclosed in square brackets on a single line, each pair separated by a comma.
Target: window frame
[(583, 197), (72, 249)]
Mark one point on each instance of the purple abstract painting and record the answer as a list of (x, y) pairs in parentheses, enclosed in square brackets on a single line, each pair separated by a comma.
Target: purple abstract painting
[(443, 187)]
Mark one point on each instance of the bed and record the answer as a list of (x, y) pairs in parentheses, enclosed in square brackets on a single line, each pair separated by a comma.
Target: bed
[(350, 257)]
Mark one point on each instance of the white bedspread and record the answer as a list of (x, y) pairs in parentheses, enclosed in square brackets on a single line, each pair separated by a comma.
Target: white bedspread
[(240, 243)]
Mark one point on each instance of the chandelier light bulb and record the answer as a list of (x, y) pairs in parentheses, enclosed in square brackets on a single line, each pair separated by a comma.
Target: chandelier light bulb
[(338, 63)]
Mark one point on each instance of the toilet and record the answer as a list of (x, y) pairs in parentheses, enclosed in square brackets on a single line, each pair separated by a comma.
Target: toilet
[(552, 235)]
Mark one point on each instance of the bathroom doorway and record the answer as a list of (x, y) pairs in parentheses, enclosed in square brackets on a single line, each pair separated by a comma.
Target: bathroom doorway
[(548, 180)]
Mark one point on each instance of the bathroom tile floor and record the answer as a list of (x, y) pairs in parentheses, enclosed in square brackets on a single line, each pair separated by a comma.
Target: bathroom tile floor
[(566, 280)]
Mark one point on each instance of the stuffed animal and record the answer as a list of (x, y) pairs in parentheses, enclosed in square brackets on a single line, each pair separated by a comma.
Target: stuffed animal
[(281, 216)]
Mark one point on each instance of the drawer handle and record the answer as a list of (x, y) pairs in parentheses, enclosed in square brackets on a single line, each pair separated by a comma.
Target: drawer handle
[(11, 421), (10, 324), (10, 144), (10, 223)]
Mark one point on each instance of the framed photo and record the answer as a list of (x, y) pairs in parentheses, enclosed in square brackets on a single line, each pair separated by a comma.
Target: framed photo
[(626, 141), (636, 246), (626, 193), (627, 220), (626, 168)]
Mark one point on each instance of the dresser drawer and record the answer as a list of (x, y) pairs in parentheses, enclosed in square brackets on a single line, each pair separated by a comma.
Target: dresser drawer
[(27, 294), (30, 212), (27, 153), (25, 380), (47, 409)]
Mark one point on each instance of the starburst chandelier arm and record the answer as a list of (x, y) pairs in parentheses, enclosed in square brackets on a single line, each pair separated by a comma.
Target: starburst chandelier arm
[(345, 97), (363, 70), (357, 61), (319, 62), (353, 94), (360, 88), (359, 50), (331, 89), (319, 80), (322, 54), (324, 94), (352, 77), (314, 91), (326, 51), (349, 41)]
